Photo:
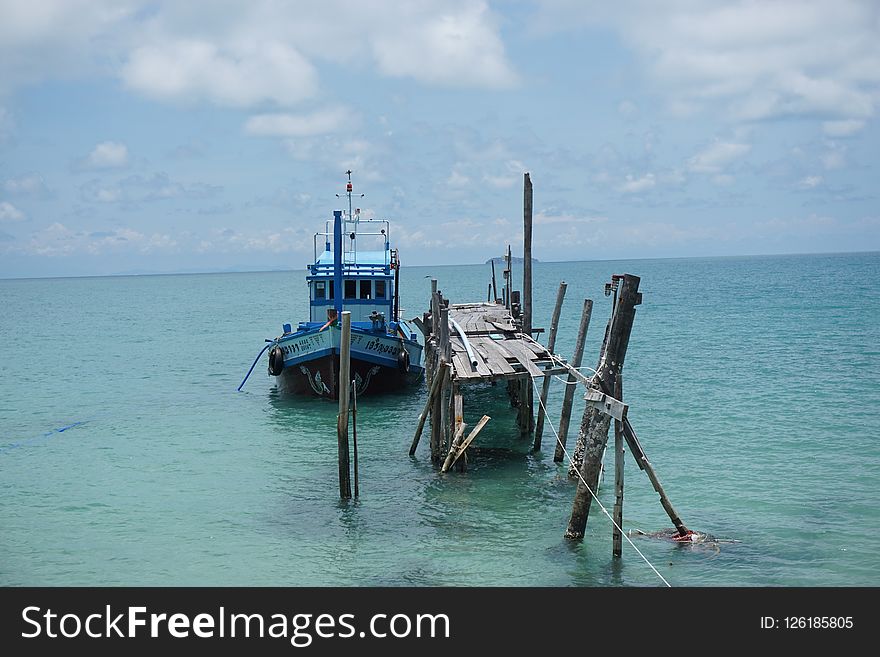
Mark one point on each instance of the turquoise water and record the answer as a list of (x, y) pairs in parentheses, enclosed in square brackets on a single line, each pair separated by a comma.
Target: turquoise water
[(754, 385)]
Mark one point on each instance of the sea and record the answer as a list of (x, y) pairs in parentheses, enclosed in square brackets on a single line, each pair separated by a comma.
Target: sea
[(129, 457)]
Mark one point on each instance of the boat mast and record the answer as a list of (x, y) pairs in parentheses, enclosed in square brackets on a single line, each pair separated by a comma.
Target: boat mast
[(337, 263)]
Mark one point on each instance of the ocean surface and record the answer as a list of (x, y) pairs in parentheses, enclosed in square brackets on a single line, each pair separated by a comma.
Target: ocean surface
[(128, 458)]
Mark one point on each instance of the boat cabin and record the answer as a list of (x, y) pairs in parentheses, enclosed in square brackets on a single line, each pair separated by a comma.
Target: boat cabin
[(367, 276)]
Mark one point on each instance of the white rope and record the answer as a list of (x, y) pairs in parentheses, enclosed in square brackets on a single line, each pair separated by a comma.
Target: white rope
[(586, 485)]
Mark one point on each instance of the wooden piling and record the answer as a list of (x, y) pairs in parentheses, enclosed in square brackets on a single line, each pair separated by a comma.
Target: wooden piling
[(617, 532), (435, 309), (494, 289), (525, 412), (442, 401), (551, 345), (576, 359), (343, 387), (527, 256), (595, 433), (435, 387), (354, 437), (508, 274)]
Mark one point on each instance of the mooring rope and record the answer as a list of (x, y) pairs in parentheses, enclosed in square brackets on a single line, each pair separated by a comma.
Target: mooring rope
[(587, 486), (581, 477), (256, 360)]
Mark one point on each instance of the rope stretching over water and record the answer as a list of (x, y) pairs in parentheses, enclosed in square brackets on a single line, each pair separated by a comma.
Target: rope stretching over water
[(586, 485)]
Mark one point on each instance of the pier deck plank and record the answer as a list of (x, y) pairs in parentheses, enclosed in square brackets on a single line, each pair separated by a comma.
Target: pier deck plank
[(501, 352)]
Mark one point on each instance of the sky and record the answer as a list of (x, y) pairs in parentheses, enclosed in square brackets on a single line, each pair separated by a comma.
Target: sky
[(145, 136)]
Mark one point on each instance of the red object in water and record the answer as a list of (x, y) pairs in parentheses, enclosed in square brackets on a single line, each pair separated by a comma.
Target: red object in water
[(687, 537)]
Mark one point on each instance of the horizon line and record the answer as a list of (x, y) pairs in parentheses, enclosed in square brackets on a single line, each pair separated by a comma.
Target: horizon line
[(463, 264)]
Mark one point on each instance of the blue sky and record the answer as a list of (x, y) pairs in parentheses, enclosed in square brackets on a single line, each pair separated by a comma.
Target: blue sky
[(141, 136)]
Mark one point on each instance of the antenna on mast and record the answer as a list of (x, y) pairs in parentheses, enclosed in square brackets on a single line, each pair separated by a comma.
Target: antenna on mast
[(348, 192)]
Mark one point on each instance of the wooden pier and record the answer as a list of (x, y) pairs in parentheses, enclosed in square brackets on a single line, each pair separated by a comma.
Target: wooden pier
[(492, 342)]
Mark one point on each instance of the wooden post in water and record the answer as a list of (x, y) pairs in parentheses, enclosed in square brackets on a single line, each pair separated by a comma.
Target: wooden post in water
[(429, 403), (527, 256), (636, 448), (445, 387), (567, 401), (617, 535), (508, 274), (527, 389), (551, 344), (494, 289), (431, 344), (343, 384), (594, 430), (354, 436)]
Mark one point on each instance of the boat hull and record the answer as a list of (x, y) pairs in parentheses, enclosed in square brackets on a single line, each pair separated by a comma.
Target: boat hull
[(319, 377), (311, 362)]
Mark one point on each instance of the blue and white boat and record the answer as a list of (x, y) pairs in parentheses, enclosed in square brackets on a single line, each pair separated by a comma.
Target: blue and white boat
[(385, 354)]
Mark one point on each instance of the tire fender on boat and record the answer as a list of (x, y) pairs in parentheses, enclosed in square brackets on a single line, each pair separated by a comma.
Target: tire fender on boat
[(276, 360), (403, 360)]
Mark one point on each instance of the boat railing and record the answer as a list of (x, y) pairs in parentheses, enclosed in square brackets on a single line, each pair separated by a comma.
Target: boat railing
[(350, 268), (349, 255)]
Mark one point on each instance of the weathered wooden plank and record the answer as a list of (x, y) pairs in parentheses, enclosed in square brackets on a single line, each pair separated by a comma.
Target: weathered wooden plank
[(459, 449), (463, 369), (521, 354), (495, 360)]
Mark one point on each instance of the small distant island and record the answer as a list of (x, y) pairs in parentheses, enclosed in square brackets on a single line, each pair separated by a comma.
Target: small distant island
[(500, 260)]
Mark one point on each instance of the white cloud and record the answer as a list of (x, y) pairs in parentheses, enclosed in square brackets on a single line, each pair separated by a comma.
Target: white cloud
[(28, 185), (247, 54), (637, 185), (59, 38), (834, 157), (513, 173), (628, 109), (335, 154), (809, 182), (718, 155), (136, 189), (6, 124), (550, 217), (58, 239), (300, 125), (456, 47), (846, 128), (9, 212), (723, 179), (106, 155), (237, 74), (754, 60), (457, 178)]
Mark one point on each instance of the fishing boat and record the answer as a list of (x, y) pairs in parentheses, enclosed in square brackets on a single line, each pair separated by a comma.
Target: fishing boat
[(347, 276)]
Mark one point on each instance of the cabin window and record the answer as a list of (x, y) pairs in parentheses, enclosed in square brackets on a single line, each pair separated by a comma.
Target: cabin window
[(330, 296), (350, 289), (366, 287), (380, 289), (320, 290)]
